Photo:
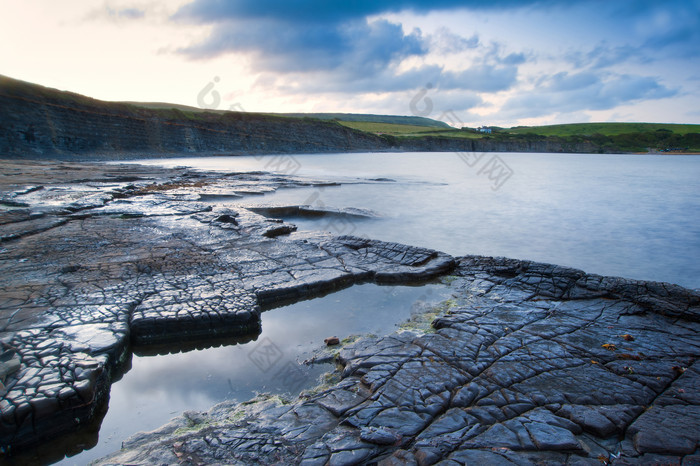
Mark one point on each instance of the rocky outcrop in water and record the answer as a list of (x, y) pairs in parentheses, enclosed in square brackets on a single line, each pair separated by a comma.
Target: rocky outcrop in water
[(100, 258), (528, 364)]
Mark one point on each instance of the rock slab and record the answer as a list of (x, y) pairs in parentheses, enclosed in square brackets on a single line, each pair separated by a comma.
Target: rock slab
[(528, 364)]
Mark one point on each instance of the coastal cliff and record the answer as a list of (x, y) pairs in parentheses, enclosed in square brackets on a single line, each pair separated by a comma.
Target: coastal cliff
[(38, 122), (447, 144)]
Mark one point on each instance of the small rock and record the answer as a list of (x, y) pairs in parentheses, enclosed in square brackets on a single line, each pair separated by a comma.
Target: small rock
[(331, 341), (226, 218)]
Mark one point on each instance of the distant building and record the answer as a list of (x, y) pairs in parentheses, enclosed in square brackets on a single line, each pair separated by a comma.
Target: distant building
[(484, 129)]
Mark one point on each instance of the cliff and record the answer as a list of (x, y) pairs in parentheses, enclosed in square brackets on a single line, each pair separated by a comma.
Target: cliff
[(38, 122), (447, 144)]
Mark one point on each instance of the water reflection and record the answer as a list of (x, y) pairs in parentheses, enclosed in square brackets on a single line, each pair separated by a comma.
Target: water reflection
[(158, 388), (627, 215)]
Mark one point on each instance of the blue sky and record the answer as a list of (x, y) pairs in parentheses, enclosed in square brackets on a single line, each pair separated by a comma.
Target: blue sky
[(503, 62)]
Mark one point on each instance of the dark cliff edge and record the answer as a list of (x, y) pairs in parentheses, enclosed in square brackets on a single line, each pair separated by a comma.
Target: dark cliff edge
[(437, 144), (39, 122)]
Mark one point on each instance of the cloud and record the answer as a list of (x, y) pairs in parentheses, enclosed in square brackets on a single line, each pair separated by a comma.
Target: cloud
[(361, 49), (449, 106), (359, 46), (562, 82), (672, 26), (565, 92), (446, 42), (605, 55), (350, 52), (128, 13), (454, 101), (477, 79), (645, 31), (324, 11), (116, 14), (481, 78), (313, 35)]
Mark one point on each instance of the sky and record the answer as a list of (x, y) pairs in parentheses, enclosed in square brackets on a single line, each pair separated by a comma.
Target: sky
[(469, 63)]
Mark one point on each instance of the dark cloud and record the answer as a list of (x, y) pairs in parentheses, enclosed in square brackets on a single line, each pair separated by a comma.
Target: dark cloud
[(311, 35), (644, 31), (673, 29), (566, 92), (358, 46), (324, 11), (348, 51), (313, 47)]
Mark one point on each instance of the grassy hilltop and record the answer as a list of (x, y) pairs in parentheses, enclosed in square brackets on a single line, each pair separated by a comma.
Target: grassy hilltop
[(610, 137)]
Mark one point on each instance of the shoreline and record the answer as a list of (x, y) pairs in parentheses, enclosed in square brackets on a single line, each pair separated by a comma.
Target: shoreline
[(123, 293), (118, 157), (65, 351), (469, 389)]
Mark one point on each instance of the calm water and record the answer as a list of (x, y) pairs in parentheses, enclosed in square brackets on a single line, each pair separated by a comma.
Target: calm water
[(158, 388), (635, 216)]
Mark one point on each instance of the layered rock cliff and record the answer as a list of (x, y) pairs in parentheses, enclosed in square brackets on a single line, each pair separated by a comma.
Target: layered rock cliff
[(40, 122), (36, 121)]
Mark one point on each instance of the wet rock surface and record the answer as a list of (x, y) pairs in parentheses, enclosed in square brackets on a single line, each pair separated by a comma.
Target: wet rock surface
[(528, 364), (99, 260)]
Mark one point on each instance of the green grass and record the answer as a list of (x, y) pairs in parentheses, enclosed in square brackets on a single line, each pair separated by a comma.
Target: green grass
[(606, 129), (387, 128), (394, 129), (609, 137), (353, 120), (452, 133), (355, 117), (568, 130), (167, 106)]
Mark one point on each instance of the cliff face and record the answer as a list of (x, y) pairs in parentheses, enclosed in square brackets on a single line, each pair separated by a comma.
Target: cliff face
[(39, 122), (435, 144), (36, 121)]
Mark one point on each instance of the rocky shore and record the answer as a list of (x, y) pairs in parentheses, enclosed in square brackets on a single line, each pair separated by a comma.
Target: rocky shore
[(99, 258), (528, 364)]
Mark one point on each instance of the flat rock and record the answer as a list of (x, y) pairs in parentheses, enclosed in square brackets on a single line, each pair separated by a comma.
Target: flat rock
[(514, 373), (98, 258), (529, 363)]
